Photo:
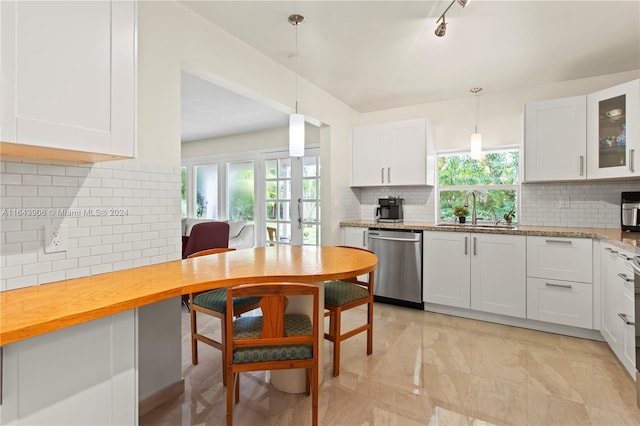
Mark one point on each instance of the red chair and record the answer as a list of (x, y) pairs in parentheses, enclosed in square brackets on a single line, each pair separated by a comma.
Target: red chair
[(206, 236)]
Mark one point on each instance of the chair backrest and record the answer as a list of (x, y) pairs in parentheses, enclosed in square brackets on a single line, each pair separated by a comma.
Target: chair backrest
[(355, 280), (271, 231), (205, 236), (210, 251), (273, 304)]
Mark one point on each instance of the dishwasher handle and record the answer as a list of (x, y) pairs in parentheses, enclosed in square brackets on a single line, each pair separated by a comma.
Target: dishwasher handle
[(409, 240)]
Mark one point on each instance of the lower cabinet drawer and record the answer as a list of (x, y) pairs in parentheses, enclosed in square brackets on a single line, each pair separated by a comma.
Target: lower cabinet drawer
[(560, 302)]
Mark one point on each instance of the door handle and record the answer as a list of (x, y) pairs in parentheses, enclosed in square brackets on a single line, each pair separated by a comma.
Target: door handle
[(625, 278), (388, 174), (475, 246), (624, 318), (466, 242), (299, 213), (558, 285), (632, 168), (582, 165), (382, 175)]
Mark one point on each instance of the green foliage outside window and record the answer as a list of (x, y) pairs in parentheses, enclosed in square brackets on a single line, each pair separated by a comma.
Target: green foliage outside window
[(494, 179)]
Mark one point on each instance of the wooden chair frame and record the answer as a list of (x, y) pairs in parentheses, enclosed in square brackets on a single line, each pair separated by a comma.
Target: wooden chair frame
[(273, 304), (193, 308), (335, 320)]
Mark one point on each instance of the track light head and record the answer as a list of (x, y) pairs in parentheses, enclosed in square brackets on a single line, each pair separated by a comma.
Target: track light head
[(442, 28), (463, 3)]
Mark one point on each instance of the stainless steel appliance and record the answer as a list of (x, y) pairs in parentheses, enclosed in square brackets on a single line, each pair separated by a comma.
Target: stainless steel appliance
[(389, 209), (630, 211), (398, 278), (636, 293)]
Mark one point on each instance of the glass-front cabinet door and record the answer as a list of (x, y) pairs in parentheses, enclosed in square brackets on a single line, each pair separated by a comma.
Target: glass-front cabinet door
[(613, 120)]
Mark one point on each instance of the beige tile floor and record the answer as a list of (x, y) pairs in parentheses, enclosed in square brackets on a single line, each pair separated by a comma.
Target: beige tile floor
[(426, 368)]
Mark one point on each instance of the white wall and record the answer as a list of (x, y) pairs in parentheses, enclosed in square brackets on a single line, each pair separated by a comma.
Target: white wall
[(180, 39)]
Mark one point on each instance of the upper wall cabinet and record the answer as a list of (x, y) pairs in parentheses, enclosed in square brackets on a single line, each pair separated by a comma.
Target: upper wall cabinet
[(555, 140), (393, 154), (613, 136), (68, 79)]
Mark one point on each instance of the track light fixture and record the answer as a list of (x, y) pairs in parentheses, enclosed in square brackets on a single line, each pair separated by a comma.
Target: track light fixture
[(442, 28)]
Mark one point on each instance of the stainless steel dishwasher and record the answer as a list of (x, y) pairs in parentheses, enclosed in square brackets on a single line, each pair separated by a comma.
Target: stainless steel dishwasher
[(398, 278)]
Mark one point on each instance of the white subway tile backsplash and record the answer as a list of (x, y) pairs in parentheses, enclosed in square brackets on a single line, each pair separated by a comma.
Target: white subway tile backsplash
[(80, 195), (591, 205)]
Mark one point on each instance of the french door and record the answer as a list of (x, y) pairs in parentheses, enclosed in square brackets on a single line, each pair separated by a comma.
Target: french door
[(292, 198)]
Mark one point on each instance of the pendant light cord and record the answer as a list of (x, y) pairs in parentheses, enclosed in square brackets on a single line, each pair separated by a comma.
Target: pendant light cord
[(297, 65)]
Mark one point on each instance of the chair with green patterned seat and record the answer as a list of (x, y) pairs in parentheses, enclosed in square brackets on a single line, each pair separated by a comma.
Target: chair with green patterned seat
[(272, 341), (214, 303), (340, 296)]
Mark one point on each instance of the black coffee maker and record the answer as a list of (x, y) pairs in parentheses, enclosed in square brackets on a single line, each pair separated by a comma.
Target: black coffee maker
[(389, 209)]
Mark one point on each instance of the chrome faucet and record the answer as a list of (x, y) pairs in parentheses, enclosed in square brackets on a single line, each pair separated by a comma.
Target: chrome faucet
[(474, 218)]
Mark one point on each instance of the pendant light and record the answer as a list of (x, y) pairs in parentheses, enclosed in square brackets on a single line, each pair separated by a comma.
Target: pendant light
[(296, 121), (476, 138)]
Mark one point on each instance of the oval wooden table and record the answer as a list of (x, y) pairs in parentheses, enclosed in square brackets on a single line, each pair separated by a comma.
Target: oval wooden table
[(33, 311)]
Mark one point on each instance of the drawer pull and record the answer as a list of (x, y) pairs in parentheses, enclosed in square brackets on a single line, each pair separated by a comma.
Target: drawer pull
[(625, 278), (624, 318), (569, 242), (558, 285), (610, 250), (623, 256)]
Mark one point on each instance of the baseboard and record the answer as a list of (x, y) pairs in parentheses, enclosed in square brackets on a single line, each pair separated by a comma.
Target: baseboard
[(157, 399)]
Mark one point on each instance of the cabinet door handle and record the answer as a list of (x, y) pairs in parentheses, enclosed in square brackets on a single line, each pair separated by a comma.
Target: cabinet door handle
[(475, 246), (382, 175), (632, 169), (610, 250), (388, 174), (558, 285), (625, 278), (624, 318), (466, 242), (582, 165), (364, 238), (623, 256), (569, 242)]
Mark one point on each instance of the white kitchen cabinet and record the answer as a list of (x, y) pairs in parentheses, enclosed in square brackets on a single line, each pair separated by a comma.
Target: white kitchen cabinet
[(447, 269), (618, 311), (498, 274), (613, 132), (393, 154), (559, 280), (555, 140), (560, 302), (81, 375), (567, 259), (68, 78), (353, 236), (484, 272)]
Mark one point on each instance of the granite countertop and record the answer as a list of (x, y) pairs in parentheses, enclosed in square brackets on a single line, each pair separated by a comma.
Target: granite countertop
[(626, 240)]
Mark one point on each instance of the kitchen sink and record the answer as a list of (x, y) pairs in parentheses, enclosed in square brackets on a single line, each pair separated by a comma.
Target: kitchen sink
[(476, 226)]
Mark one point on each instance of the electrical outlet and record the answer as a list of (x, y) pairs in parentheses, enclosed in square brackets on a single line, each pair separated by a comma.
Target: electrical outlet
[(55, 238), (564, 203)]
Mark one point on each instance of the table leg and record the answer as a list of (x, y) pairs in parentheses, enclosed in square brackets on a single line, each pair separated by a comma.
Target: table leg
[(293, 381)]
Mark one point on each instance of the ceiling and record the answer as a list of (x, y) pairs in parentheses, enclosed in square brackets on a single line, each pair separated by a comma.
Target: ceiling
[(375, 55)]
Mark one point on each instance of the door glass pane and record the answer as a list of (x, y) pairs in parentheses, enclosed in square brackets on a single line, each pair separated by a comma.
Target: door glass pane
[(240, 191), (271, 211), (271, 169), (309, 167), (284, 233), (310, 235), (612, 136), (271, 190), (285, 190), (207, 191), (285, 168), (309, 212), (284, 211), (309, 190)]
